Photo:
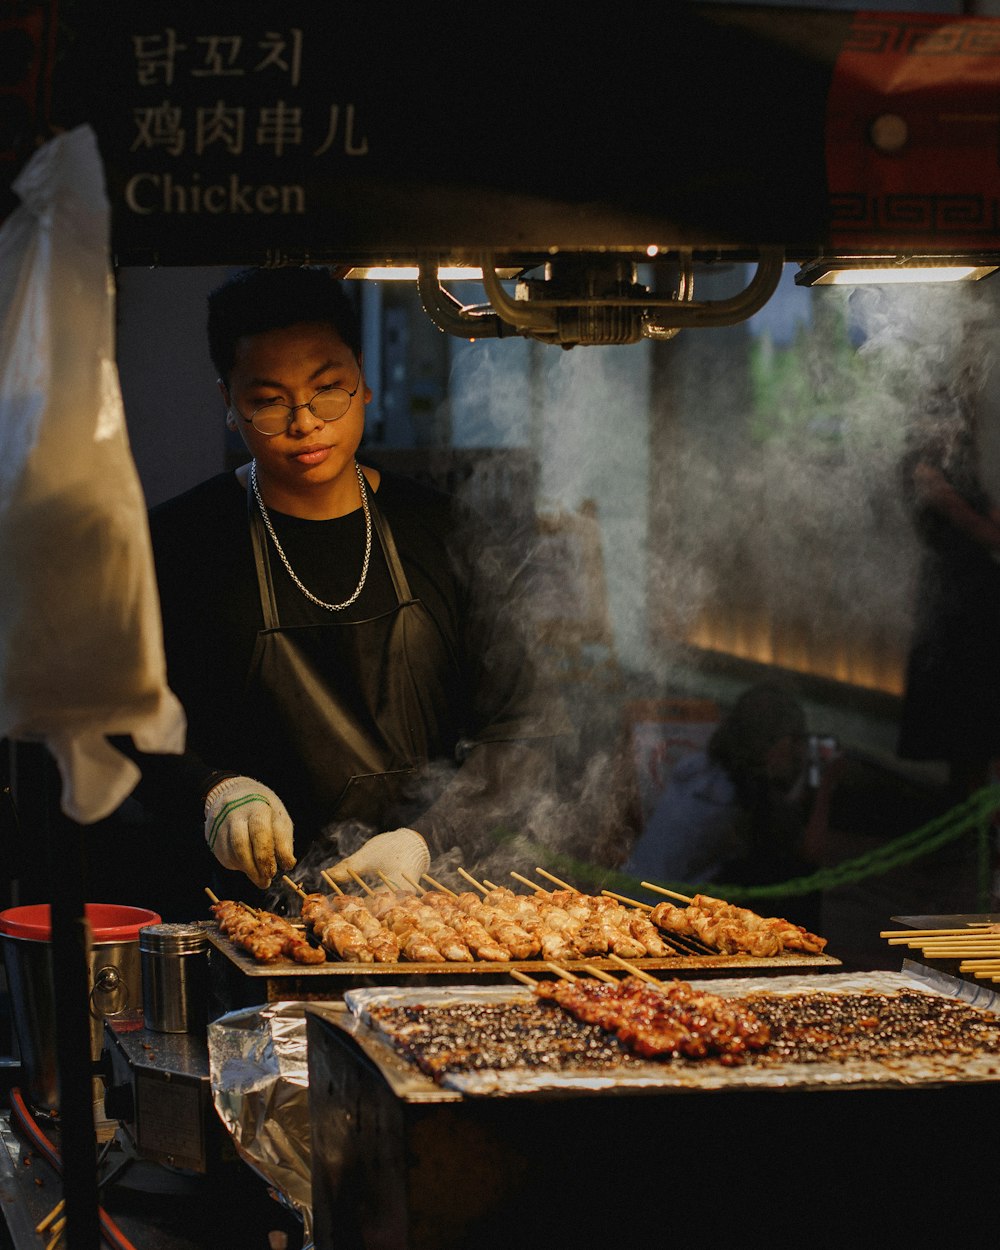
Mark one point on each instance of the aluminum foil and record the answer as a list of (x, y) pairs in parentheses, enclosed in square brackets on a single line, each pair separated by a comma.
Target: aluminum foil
[(857, 1074), (972, 992), (260, 1087)]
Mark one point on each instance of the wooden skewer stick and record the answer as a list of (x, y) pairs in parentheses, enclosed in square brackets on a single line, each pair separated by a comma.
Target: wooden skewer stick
[(387, 880), (294, 885), (415, 884), (974, 957), (632, 902), (437, 885), (525, 980), (964, 952), (983, 948), (563, 885), (660, 889), (490, 885), (600, 974), (980, 957), (51, 1217), (472, 881), (57, 1231), (560, 972), (360, 881), (935, 949), (969, 931), (636, 972), (213, 897), (524, 881), (328, 878)]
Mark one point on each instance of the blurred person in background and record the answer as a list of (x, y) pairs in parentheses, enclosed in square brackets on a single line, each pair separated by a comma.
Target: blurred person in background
[(951, 707), (745, 810)]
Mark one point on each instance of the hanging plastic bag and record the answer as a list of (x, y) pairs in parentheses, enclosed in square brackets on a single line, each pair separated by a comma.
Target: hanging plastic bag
[(81, 649)]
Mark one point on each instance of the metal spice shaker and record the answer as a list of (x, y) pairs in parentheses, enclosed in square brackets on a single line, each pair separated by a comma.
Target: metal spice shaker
[(174, 961)]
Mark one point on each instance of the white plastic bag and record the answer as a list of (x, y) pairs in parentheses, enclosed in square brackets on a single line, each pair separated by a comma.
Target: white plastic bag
[(81, 649)]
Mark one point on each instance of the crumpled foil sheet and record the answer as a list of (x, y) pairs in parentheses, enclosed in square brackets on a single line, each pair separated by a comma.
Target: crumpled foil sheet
[(260, 1087)]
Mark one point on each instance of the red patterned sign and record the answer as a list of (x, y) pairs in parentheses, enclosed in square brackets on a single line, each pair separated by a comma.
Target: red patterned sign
[(913, 134)]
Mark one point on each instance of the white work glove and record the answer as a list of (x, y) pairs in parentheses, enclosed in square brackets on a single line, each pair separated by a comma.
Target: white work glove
[(395, 853), (247, 828)]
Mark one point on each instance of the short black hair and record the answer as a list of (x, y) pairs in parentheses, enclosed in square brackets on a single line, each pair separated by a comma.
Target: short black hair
[(760, 717), (255, 300)]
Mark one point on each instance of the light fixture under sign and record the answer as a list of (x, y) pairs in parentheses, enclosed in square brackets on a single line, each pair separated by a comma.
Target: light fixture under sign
[(410, 273), (884, 270)]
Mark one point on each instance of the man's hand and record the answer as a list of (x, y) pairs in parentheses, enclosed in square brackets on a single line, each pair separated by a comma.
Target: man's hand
[(399, 852), (247, 828)]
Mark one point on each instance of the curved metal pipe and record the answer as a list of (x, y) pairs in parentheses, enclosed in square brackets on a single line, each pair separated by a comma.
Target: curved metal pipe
[(685, 294), (526, 317), (726, 312), (477, 321), (661, 318)]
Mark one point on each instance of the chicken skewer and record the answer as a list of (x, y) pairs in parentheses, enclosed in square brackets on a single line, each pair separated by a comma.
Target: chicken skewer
[(792, 936), (324, 917), (265, 936), (594, 925), (788, 935), (660, 1020), (722, 925), (344, 905), (630, 933), (423, 929), (381, 927), (727, 936)]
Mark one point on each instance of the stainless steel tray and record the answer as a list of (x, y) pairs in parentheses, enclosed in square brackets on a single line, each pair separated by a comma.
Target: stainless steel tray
[(338, 968)]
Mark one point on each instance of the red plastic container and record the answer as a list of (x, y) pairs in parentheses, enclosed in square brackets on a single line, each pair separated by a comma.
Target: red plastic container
[(109, 922), (115, 983)]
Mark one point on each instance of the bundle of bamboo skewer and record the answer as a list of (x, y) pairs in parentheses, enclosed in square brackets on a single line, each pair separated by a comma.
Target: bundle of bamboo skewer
[(976, 946)]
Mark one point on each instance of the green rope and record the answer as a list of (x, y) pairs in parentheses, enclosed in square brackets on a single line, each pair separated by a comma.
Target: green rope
[(975, 814)]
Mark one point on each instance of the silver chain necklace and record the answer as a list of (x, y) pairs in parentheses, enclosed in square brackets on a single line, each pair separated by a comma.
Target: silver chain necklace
[(330, 607)]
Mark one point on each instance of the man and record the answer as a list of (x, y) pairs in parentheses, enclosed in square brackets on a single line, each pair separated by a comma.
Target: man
[(951, 707), (332, 632)]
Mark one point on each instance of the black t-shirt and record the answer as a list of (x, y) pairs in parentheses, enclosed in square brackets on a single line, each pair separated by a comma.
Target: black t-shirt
[(212, 614)]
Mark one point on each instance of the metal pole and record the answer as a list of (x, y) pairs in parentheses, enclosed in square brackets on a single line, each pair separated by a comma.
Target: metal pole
[(71, 985)]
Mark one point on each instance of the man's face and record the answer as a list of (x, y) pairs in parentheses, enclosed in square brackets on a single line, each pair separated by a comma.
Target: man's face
[(289, 366)]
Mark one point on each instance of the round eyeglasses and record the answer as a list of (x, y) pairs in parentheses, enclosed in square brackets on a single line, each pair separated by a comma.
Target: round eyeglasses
[(328, 404)]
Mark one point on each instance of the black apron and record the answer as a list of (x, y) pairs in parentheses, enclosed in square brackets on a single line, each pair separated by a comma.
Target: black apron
[(342, 714)]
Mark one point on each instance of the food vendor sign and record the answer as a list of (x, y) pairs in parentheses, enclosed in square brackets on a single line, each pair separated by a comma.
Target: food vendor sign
[(241, 134), (235, 133)]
